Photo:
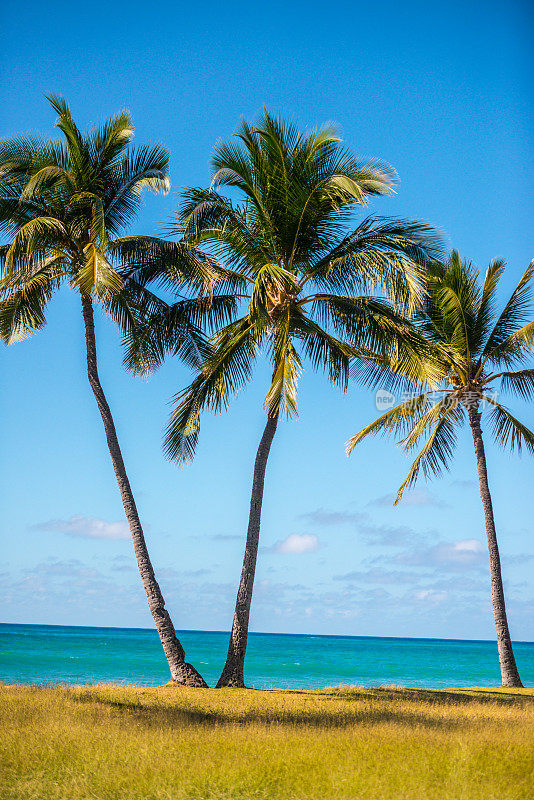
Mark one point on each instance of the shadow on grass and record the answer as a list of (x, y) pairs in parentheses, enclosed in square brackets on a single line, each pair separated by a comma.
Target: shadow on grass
[(168, 716), (172, 716), (435, 696)]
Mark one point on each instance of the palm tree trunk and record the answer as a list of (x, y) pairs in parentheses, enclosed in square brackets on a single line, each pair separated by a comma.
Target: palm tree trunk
[(181, 672), (232, 674), (509, 671)]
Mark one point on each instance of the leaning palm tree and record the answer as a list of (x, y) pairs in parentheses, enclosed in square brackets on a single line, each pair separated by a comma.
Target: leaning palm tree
[(61, 204), (473, 351), (308, 286)]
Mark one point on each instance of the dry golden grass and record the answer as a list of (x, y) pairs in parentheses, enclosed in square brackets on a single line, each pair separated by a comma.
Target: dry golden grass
[(170, 743)]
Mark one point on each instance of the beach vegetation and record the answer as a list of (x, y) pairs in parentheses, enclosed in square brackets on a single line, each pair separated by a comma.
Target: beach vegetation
[(63, 205), (312, 287), (345, 743), (476, 354)]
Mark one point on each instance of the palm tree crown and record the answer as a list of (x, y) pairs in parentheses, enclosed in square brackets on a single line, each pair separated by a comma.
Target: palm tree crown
[(469, 344), (303, 279), (63, 206), (61, 203)]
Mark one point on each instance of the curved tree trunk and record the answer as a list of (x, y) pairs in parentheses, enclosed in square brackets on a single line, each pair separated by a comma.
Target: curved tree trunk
[(181, 672), (509, 672), (232, 674)]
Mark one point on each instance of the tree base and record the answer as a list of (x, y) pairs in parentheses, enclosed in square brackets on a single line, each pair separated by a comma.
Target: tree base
[(513, 684), (190, 677), (231, 678)]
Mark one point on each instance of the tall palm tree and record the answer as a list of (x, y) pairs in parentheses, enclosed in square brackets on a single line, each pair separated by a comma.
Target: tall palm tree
[(473, 351), (61, 204), (307, 286)]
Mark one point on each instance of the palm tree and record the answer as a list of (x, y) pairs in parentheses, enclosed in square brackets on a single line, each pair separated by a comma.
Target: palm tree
[(306, 285), (60, 204), (472, 352)]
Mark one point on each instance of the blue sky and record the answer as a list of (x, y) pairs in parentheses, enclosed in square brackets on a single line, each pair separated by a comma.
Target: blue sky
[(443, 92)]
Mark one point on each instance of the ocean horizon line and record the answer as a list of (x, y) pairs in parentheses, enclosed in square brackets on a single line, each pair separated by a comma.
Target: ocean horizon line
[(256, 633)]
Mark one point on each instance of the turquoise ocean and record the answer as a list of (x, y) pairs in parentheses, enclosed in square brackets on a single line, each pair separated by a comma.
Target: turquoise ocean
[(53, 654)]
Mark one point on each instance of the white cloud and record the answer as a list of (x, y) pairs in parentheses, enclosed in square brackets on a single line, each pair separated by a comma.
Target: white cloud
[(86, 527), (364, 525), (296, 544), (431, 596), (468, 546), (463, 554)]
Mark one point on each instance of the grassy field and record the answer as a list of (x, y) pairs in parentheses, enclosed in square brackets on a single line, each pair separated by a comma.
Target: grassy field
[(170, 743)]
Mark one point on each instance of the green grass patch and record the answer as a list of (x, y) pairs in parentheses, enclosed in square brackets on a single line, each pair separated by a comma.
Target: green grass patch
[(172, 743)]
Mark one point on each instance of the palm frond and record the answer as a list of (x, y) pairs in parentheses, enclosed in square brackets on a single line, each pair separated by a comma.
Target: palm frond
[(47, 178), (380, 255), (282, 394), (110, 139), (508, 431), (486, 309), (519, 382), (397, 419), (22, 307), (78, 154), (224, 372), (37, 235), (97, 276), (503, 338), (325, 351), (437, 451)]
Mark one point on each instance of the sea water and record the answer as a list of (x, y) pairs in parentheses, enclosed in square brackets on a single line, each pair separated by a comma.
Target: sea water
[(77, 655)]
